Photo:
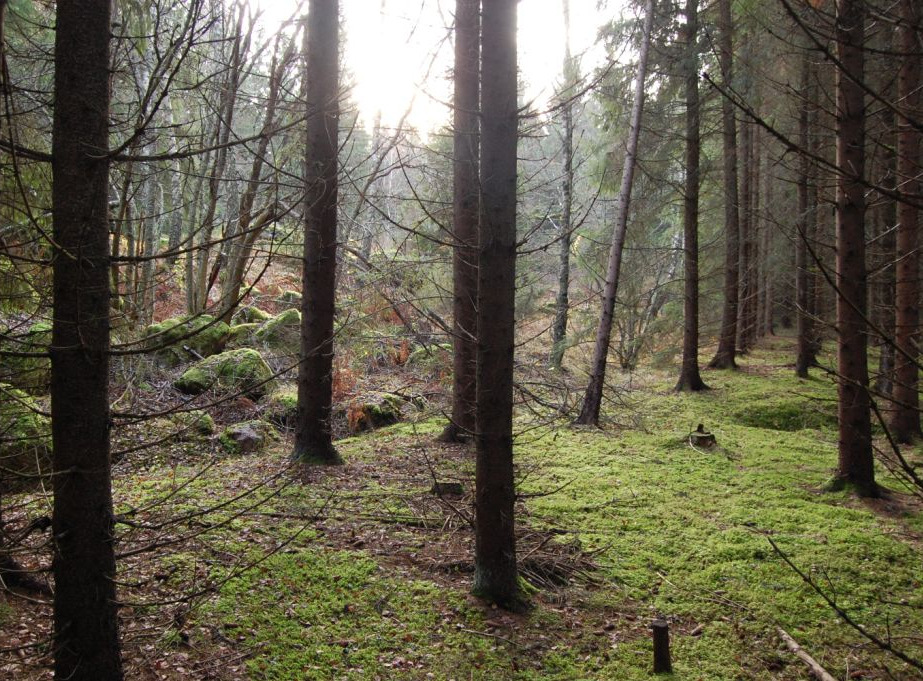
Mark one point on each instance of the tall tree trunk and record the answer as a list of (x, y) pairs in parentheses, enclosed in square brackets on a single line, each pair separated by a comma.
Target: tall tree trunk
[(855, 431), (885, 224), (495, 575), (806, 225), (86, 630), (769, 221), (905, 420), (466, 207), (313, 439), (562, 303), (592, 399), (247, 227), (746, 236), (727, 344), (689, 378)]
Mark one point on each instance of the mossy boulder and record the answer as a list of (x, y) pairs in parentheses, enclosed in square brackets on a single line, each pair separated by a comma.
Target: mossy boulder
[(282, 332), (374, 410), (241, 335), (242, 370), (281, 406), (25, 434), (249, 315), (200, 333), (32, 374), (246, 437), (289, 299)]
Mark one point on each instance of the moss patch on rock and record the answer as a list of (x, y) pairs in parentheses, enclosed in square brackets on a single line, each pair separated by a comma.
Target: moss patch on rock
[(201, 334), (289, 299), (282, 332), (374, 410), (281, 406), (249, 315), (242, 370), (246, 437), (241, 335)]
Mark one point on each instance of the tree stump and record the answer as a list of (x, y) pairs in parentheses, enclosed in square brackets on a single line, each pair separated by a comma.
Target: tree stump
[(702, 438)]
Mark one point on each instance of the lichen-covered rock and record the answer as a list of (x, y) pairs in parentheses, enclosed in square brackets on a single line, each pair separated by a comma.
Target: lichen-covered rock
[(374, 410), (249, 315), (282, 332), (281, 406), (200, 333), (25, 434), (246, 437), (30, 373), (242, 370), (241, 335), (289, 298)]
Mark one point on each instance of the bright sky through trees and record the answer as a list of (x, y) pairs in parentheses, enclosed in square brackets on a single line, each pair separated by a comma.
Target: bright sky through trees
[(399, 52)]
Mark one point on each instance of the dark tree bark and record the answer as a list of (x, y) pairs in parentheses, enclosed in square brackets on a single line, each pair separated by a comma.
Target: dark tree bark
[(885, 240), (313, 439), (905, 420), (745, 274), (806, 227), (495, 574), (689, 378), (465, 220), (592, 399), (86, 633), (562, 302), (727, 344), (855, 431)]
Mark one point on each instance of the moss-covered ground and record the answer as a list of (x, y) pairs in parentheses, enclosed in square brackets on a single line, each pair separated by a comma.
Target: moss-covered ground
[(268, 571)]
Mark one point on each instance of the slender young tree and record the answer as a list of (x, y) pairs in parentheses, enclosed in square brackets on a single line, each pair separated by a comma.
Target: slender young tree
[(86, 632), (855, 431), (689, 378), (727, 344), (562, 302), (592, 399), (905, 421), (465, 219), (313, 438), (806, 226), (495, 574)]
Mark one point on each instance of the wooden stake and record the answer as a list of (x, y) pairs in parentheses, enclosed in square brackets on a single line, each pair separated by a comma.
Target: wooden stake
[(661, 634)]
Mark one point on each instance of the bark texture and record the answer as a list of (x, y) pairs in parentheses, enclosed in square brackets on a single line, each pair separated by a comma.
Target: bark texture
[(562, 301), (689, 377), (465, 219), (313, 439), (495, 574), (806, 227), (727, 344), (855, 431), (906, 415), (86, 633)]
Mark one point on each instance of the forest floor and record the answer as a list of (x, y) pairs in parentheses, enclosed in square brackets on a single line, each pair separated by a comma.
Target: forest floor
[(250, 567)]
